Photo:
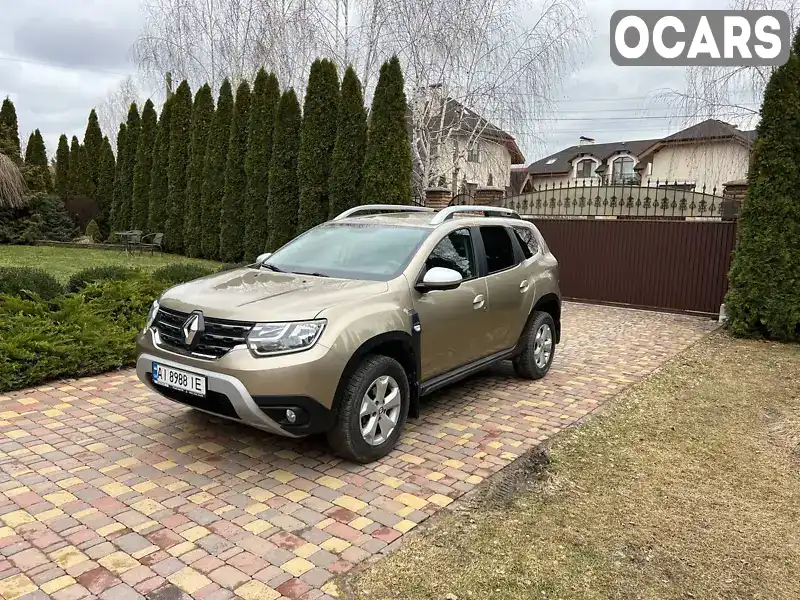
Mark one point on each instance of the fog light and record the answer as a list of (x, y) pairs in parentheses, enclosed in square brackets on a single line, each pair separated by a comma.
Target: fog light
[(291, 416)]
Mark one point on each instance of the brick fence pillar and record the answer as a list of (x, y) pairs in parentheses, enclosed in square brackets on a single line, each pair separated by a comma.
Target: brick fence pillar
[(733, 194), (438, 198), (489, 196)]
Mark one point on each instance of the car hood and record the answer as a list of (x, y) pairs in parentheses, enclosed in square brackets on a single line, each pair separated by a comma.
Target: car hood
[(261, 295)]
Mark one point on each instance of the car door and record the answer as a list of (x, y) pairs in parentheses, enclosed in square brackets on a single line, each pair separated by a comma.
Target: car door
[(508, 284), (453, 321)]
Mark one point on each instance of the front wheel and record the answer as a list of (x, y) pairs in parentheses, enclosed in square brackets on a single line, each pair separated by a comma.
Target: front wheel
[(538, 339), (372, 411)]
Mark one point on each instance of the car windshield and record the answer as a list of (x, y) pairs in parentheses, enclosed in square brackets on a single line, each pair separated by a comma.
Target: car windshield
[(364, 251)]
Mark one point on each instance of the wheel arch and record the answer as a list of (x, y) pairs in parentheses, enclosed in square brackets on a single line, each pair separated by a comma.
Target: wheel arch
[(399, 345), (549, 303)]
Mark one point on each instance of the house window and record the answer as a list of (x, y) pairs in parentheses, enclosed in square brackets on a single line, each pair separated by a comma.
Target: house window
[(622, 170), (585, 169), (474, 153)]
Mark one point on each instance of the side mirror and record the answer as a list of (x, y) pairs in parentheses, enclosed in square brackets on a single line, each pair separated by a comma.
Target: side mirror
[(262, 257), (439, 278)]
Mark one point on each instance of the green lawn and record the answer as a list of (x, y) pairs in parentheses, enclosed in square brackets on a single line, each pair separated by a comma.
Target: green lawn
[(63, 262)]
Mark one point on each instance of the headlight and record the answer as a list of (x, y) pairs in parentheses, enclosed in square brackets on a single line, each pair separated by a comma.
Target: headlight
[(151, 316), (266, 339)]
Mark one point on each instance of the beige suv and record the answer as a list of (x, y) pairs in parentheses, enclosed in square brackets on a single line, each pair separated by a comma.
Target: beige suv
[(344, 328)]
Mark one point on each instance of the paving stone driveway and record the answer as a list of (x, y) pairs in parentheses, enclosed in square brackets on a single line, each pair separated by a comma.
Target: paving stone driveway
[(108, 490)]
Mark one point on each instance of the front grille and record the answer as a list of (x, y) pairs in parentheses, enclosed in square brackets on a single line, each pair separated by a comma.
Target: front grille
[(218, 338)]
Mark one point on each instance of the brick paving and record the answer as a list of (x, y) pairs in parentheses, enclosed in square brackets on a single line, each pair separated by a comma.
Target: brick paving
[(108, 490)]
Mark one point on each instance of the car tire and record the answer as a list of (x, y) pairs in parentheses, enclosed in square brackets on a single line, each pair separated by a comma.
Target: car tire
[(349, 437), (532, 362)]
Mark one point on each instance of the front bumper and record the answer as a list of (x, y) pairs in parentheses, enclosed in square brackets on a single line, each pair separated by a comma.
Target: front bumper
[(255, 391)]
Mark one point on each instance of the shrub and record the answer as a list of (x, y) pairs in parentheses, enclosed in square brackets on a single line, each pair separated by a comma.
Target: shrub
[(97, 274), (24, 281), (93, 231), (72, 335), (232, 266), (180, 273)]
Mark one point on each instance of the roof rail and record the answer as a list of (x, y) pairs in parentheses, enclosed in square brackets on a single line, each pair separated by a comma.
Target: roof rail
[(367, 208), (488, 211)]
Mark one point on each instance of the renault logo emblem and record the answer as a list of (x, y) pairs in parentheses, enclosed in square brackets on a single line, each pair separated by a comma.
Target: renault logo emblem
[(193, 329)]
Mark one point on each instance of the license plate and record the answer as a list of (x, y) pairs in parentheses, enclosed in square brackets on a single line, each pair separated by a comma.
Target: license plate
[(179, 379)]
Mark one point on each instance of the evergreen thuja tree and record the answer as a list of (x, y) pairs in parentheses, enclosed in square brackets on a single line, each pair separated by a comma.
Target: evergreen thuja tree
[(317, 138), (347, 162), (35, 170), (764, 294), (92, 150), (113, 214), (214, 172), (266, 93), (387, 166), (106, 176), (62, 167), (140, 200), (159, 186), (231, 233), (9, 131), (75, 174), (179, 137), (283, 185), (202, 116)]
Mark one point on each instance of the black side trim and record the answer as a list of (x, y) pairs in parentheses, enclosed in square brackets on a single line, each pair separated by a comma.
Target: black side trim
[(416, 348), (440, 381), (312, 417), (214, 402)]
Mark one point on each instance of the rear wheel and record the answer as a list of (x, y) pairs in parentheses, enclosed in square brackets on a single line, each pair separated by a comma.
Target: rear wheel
[(372, 411), (534, 361)]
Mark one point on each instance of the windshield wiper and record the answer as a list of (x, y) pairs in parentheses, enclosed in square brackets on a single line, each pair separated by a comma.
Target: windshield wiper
[(311, 274), (272, 268)]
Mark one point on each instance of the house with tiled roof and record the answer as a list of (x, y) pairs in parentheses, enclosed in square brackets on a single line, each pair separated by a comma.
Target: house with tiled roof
[(704, 155)]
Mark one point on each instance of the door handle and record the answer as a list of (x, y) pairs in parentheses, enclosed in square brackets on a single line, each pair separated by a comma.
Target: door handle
[(523, 286), (478, 302)]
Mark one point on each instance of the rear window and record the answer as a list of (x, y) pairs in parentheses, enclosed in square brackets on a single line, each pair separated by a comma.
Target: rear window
[(376, 252)]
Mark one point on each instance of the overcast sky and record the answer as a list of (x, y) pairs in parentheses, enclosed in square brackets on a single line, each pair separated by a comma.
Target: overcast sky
[(59, 58)]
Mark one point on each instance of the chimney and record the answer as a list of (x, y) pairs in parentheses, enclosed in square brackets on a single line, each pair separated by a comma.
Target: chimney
[(585, 141)]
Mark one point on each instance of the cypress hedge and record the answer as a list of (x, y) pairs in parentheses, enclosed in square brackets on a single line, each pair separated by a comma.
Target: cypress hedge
[(214, 172), (202, 116), (75, 174), (134, 124), (317, 138), (266, 93), (62, 166), (347, 162), (387, 166), (283, 184), (764, 294), (231, 233), (159, 187), (179, 137), (143, 168)]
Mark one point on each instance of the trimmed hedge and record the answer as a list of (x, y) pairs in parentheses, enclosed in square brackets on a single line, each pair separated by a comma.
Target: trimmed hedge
[(27, 281), (97, 274), (180, 273)]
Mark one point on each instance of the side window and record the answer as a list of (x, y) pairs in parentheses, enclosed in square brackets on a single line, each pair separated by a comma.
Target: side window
[(499, 249), (454, 252), (527, 239)]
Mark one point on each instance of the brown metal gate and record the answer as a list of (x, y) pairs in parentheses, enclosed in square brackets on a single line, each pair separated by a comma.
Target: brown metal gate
[(663, 264)]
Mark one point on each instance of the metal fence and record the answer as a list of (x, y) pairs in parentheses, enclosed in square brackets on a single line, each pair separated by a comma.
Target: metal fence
[(653, 199)]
